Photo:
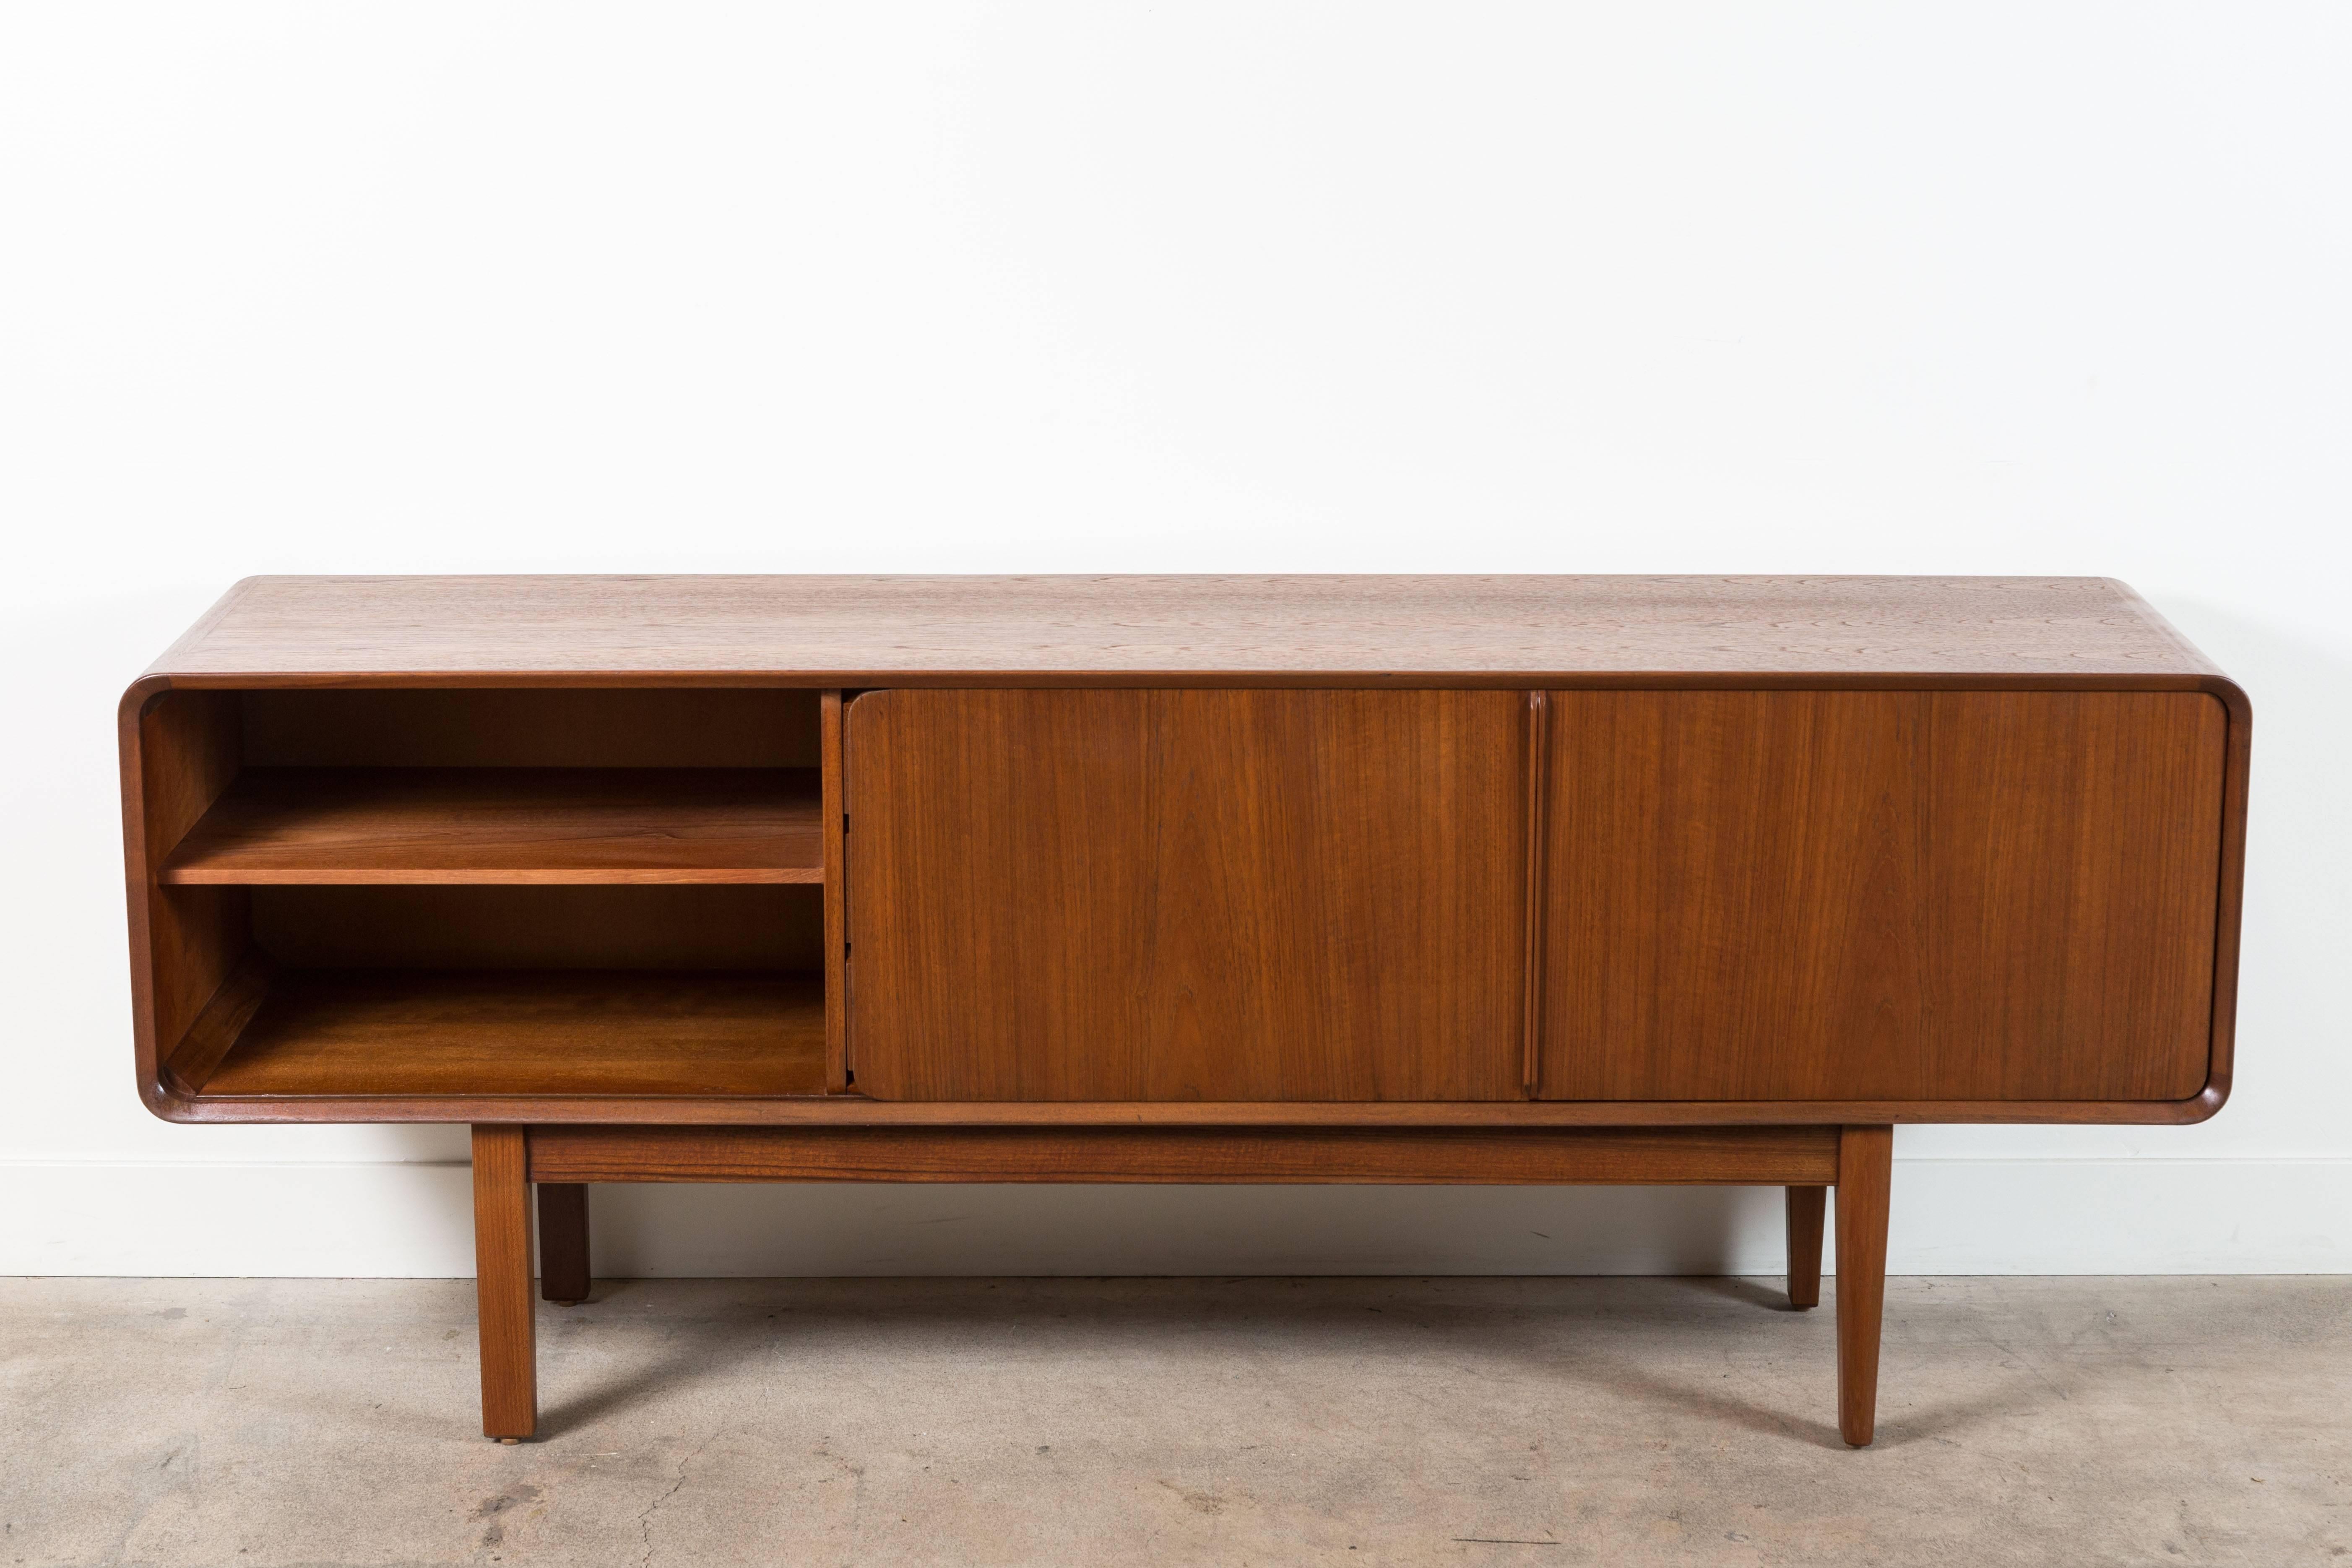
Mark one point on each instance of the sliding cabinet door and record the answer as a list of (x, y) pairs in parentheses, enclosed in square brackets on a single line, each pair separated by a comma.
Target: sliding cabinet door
[(1903, 895), (1184, 895)]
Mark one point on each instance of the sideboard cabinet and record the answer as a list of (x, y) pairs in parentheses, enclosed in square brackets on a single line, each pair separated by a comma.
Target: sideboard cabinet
[(1378, 879)]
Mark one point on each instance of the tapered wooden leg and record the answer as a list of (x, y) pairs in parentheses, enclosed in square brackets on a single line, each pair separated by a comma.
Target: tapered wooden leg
[(502, 1283), (563, 1241), (1807, 1205), (1865, 1171)]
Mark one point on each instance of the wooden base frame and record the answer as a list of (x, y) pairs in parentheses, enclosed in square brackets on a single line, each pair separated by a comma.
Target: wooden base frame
[(560, 1160)]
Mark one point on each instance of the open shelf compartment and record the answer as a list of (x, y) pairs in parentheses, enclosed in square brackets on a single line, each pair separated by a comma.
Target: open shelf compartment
[(366, 1033), (417, 898)]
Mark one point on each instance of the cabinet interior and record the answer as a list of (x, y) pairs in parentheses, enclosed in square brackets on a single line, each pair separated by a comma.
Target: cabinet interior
[(470, 892)]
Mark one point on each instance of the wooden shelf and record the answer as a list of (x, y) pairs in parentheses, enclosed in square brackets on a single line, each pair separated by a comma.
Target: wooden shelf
[(344, 1032), (364, 826)]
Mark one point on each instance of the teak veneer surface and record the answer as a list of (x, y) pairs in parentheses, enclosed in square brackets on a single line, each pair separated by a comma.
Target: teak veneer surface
[(1091, 895), (1764, 1155), (1817, 895), (488, 1032), (180, 751), (906, 630), (2073, 936), (528, 726), (540, 925), (459, 825)]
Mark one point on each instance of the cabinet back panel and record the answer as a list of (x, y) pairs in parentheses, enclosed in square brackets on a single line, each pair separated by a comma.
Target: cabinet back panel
[(724, 927), (1186, 895), (1797, 895), (535, 727)]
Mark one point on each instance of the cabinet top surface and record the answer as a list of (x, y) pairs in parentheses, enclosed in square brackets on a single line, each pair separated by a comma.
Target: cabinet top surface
[(1281, 627)]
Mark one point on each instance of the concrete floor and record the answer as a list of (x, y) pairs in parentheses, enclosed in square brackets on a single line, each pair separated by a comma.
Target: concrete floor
[(1247, 1421)]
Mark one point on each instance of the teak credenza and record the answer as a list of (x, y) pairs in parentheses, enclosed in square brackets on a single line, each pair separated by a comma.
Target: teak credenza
[(1366, 879)]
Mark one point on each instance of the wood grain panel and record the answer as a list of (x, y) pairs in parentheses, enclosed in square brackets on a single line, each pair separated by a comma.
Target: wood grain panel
[(475, 825), (219, 1026), (888, 631), (1889, 896), (542, 927), (468, 1033), (1734, 887), (531, 727), (1186, 895), (1337, 1156), (189, 750), (2071, 919)]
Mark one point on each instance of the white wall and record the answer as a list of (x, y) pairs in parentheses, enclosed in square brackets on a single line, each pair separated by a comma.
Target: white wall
[(481, 287)]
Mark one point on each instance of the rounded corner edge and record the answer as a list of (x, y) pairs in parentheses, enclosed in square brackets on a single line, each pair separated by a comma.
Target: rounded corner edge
[(2231, 696), (165, 1103), (139, 695), (2206, 1102)]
